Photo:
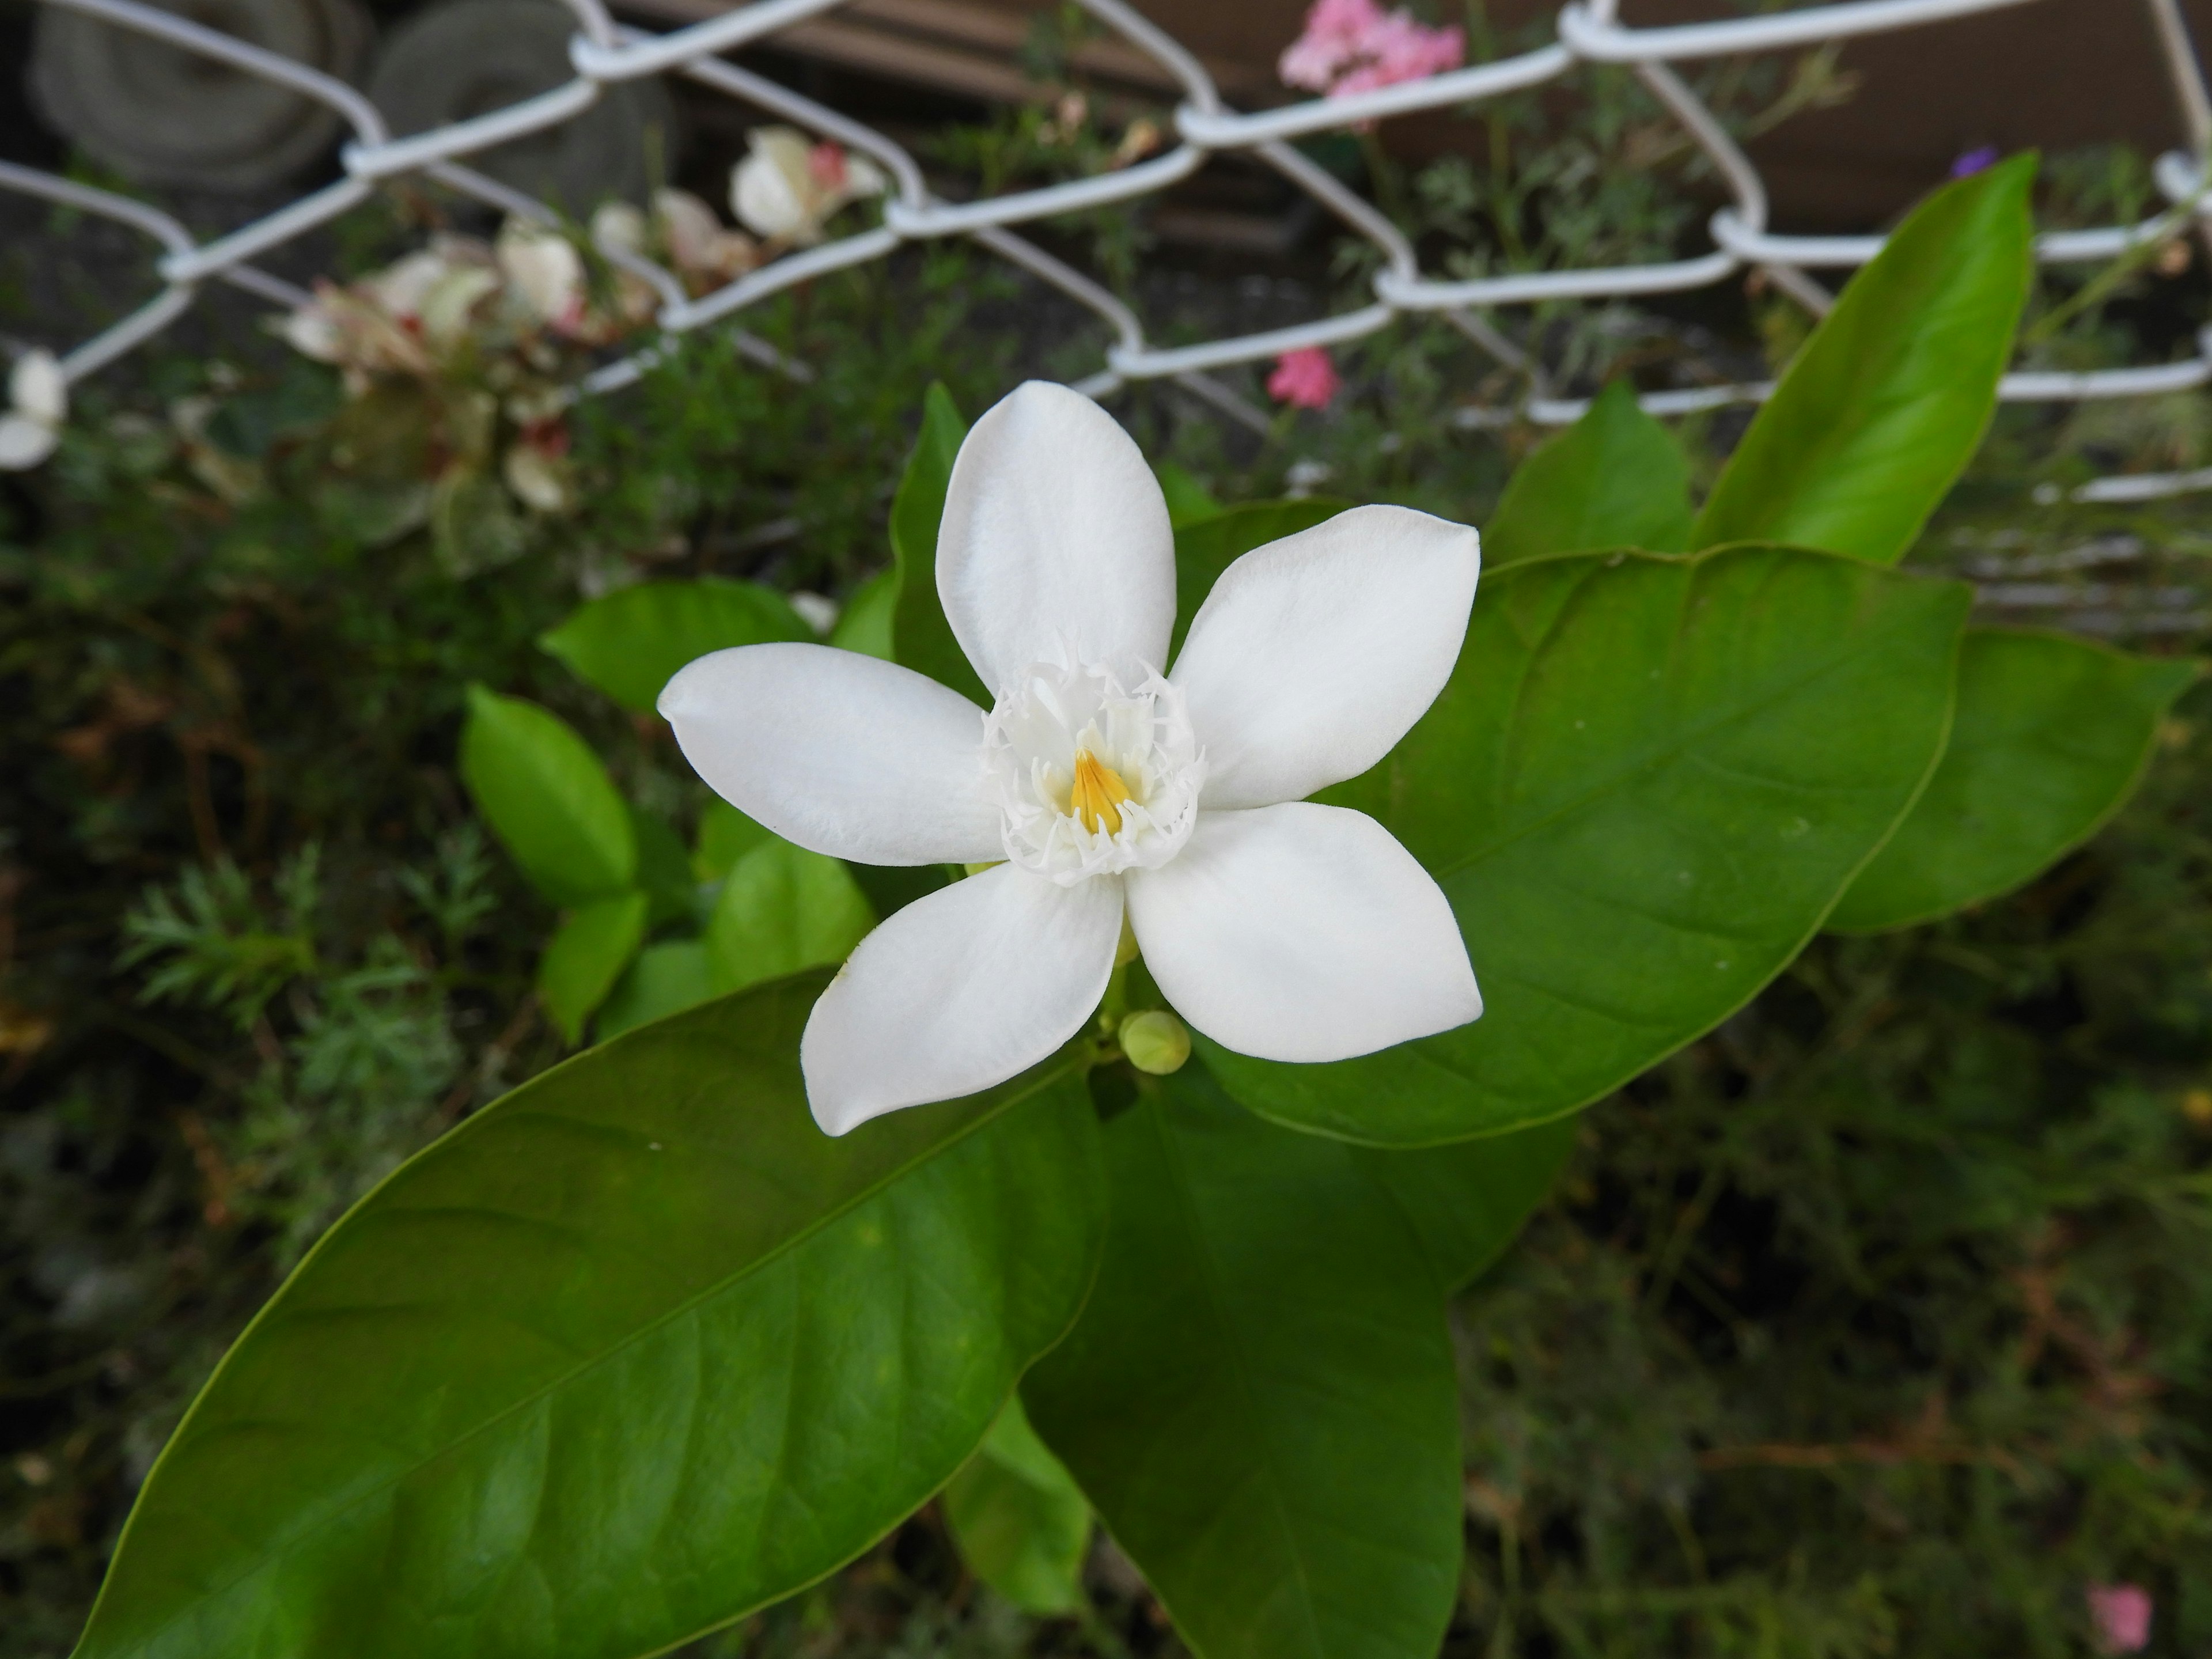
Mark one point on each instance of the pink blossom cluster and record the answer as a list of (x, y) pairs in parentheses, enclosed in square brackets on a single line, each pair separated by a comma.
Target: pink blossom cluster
[(1304, 379), (2121, 1614), (1354, 46)]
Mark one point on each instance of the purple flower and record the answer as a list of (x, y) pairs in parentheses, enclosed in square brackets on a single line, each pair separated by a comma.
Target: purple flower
[(1975, 160)]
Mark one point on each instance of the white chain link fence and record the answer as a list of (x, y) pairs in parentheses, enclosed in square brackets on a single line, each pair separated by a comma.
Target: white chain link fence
[(605, 54)]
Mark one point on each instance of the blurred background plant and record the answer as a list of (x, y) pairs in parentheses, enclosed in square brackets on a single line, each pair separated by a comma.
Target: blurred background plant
[(1877, 1323)]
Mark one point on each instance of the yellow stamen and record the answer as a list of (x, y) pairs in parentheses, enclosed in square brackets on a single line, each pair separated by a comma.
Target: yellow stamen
[(1098, 791)]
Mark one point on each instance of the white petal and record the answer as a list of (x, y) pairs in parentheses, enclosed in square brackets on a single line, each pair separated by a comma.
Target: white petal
[(1313, 654), (24, 442), (1302, 932), (842, 753), (37, 388), (1054, 530), (958, 992)]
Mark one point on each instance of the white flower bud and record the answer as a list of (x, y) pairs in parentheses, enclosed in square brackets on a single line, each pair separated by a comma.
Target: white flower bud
[(1155, 1041)]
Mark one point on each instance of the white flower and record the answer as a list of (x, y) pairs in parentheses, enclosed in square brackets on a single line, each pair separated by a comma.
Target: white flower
[(545, 272), (1277, 927), (788, 186), (37, 398)]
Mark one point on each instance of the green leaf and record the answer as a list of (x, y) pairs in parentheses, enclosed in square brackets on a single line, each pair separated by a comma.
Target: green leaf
[(583, 959), (1207, 547), (663, 868), (725, 834), (922, 637), (1260, 1396), (663, 979), (1644, 786), (548, 800), (1189, 500), (864, 625), (632, 642), (1021, 1523), (1466, 1201), (2051, 735), (1615, 478), (1884, 407), (783, 908), (629, 1353)]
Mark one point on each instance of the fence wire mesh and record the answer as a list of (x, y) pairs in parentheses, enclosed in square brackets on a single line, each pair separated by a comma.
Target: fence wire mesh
[(604, 53)]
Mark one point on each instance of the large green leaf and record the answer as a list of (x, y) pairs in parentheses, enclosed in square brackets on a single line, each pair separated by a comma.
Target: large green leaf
[(2051, 734), (583, 960), (1885, 405), (783, 908), (631, 1352), (1022, 1523), (922, 638), (1645, 784), (548, 800), (1187, 498), (1258, 1398), (1207, 547), (1467, 1201), (632, 642), (1615, 478)]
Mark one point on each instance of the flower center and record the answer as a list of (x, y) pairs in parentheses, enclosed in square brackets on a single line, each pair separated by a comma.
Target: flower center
[(1092, 777), (1098, 790)]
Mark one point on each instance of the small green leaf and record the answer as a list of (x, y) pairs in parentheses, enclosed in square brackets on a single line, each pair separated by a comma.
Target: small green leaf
[(663, 979), (1644, 788), (725, 834), (783, 908), (548, 800), (922, 637), (864, 625), (1260, 1396), (1188, 501), (2051, 734), (583, 960), (1021, 1523), (1615, 478), (630, 1352), (663, 868), (1884, 407), (1207, 547), (632, 642)]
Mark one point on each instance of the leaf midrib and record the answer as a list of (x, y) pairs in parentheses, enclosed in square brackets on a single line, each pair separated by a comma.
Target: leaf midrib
[(707, 1293)]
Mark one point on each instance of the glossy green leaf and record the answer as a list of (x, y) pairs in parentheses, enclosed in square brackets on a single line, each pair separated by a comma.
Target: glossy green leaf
[(864, 624), (1021, 1523), (632, 642), (1188, 501), (725, 834), (548, 800), (2051, 735), (1885, 404), (662, 979), (629, 1353), (783, 908), (1615, 478), (585, 958), (1259, 1397), (1209, 546), (922, 638), (1467, 1201), (1646, 783)]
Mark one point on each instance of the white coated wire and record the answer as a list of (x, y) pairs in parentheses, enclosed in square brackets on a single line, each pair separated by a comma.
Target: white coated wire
[(604, 54)]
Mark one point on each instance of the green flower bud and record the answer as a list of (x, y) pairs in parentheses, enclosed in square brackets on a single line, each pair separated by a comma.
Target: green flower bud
[(1156, 1042)]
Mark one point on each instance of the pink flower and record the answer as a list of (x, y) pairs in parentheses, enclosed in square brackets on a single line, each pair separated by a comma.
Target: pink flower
[(1354, 46), (2122, 1615), (1304, 379)]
